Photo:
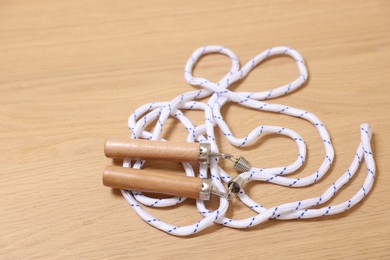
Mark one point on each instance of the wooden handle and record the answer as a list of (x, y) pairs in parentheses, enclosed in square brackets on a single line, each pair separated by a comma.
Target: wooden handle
[(156, 150), (152, 181)]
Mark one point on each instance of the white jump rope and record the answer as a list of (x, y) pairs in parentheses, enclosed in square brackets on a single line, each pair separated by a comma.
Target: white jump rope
[(219, 95)]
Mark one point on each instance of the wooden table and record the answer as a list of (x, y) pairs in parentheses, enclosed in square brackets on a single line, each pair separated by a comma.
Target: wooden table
[(71, 73)]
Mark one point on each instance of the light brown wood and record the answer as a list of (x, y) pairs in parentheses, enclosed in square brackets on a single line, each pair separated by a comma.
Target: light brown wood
[(72, 72), (153, 150), (151, 181)]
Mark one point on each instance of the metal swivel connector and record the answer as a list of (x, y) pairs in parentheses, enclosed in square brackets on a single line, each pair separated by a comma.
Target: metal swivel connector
[(240, 163), (235, 185)]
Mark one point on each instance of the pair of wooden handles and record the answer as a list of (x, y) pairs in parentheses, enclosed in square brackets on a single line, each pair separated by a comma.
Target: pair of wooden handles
[(152, 181)]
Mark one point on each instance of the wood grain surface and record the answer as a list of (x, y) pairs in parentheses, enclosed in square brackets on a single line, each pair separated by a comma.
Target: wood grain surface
[(71, 72)]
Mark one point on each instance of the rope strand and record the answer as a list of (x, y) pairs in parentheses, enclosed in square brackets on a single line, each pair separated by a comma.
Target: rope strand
[(219, 95)]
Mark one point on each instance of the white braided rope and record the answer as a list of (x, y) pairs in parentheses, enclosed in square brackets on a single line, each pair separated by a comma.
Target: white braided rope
[(219, 96)]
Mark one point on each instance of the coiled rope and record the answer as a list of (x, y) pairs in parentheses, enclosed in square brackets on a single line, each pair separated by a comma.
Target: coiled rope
[(219, 95)]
